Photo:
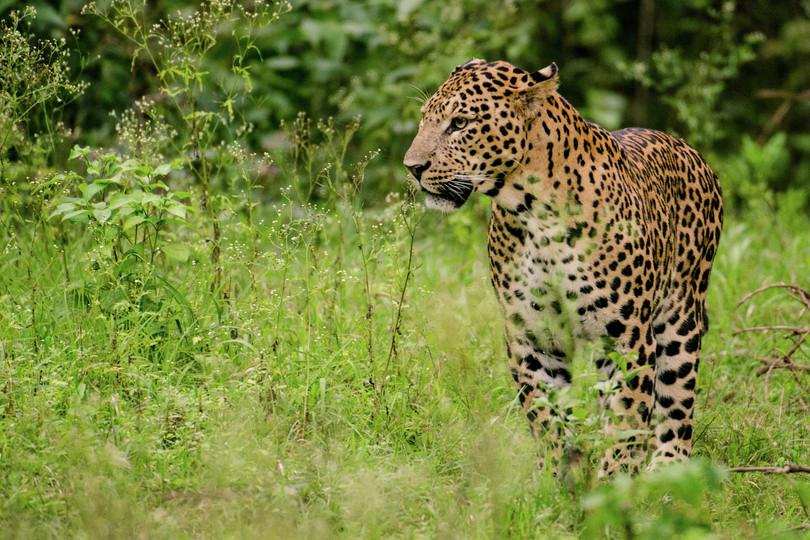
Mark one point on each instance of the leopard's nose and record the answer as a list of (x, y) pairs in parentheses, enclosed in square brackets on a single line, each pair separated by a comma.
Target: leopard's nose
[(417, 170)]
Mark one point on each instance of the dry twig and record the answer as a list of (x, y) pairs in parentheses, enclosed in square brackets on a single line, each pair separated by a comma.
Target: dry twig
[(787, 469), (797, 292), (799, 333), (789, 99)]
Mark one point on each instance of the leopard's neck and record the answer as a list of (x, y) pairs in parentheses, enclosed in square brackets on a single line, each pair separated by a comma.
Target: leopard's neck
[(565, 165)]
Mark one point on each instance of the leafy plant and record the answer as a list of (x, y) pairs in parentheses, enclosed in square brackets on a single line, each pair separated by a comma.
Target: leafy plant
[(128, 203), (581, 414), (748, 177), (203, 111), (666, 503), (35, 86), (132, 213), (692, 86), (229, 326)]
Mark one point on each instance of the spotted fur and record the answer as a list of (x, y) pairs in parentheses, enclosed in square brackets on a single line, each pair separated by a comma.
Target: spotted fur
[(595, 236)]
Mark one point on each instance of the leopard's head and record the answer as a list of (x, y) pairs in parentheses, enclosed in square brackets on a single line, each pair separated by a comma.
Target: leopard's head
[(474, 129)]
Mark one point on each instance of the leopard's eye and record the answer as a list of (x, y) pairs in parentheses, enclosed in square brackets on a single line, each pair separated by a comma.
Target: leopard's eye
[(458, 123)]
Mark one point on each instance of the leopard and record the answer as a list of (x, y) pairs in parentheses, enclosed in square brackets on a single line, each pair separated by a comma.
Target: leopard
[(595, 237)]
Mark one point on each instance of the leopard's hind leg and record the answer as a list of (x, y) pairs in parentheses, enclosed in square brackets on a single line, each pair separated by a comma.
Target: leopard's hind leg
[(678, 332)]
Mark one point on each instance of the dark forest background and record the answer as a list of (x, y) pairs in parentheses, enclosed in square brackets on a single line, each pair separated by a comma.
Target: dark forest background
[(732, 78)]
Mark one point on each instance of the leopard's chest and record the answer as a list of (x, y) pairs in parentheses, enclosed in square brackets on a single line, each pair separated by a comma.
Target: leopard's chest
[(542, 275)]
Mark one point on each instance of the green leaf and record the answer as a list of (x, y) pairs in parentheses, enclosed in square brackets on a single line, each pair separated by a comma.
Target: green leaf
[(79, 152), (133, 221), (114, 179), (62, 208), (94, 168), (125, 266), (123, 200), (124, 211), (162, 170), (155, 186), (102, 215), (130, 165), (75, 214), (178, 210), (90, 190), (580, 412), (150, 198), (176, 252)]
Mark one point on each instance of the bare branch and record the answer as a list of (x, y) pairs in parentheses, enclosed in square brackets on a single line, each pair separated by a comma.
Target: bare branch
[(783, 363), (773, 93), (789, 99), (798, 293), (799, 334), (787, 469), (774, 328)]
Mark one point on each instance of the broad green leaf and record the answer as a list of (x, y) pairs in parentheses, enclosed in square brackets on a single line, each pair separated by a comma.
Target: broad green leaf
[(176, 252), (79, 151), (136, 251), (62, 208), (75, 214), (124, 211), (133, 221), (150, 198), (94, 168), (90, 190), (122, 200), (130, 165), (115, 179), (178, 210), (162, 170), (155, 186), (125, 266), (102, 215), (580, 412)]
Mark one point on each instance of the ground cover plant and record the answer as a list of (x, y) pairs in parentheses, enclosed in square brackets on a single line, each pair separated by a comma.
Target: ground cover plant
[(219, 320)]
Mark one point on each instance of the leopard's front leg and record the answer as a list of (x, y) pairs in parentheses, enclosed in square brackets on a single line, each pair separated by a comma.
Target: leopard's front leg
[(630, 405), (537, 373)]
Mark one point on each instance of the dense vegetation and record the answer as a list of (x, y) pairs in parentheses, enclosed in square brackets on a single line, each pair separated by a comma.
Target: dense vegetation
[(224, 314)]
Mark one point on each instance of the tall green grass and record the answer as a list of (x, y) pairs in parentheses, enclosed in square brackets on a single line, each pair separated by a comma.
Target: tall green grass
[(276, 406)]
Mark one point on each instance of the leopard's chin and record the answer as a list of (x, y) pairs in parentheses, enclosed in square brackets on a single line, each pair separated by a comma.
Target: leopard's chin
[(435, 202), (448, 196)]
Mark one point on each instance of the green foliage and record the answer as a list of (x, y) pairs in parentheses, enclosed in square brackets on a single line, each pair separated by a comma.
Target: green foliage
[(275, 407), (695, 68), (749, 174), (668, 503), (693, 87), (127, 203), (35, 86), (130, 211), (204, 108)]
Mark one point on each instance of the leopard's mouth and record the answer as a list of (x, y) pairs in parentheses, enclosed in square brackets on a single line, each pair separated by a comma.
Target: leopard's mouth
[(448, 195)]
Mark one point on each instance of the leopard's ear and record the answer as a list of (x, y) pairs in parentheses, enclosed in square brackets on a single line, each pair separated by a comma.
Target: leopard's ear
[(468, 64), (541, 82)]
